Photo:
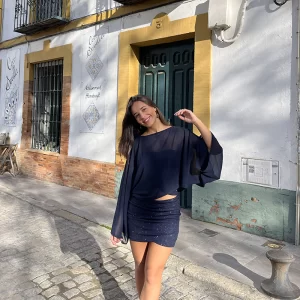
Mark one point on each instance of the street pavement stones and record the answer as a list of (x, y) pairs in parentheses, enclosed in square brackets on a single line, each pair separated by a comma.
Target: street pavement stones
[(47, 253)]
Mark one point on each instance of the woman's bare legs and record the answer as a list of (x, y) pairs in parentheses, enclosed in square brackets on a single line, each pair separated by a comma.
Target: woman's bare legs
[(150, 260), (139, 251), (156, 258)]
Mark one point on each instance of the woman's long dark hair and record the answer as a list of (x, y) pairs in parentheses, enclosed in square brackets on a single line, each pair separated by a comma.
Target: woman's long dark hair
[(131, 128)]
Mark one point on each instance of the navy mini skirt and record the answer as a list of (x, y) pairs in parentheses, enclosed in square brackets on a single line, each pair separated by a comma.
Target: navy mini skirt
[(154, 221)]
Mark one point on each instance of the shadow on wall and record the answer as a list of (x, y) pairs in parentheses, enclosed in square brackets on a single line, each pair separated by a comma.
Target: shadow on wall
[(202, 8), (250, 78), (113, 26), (243, 79), (85, 8), (145, 18), (253, 72), (269, 5)]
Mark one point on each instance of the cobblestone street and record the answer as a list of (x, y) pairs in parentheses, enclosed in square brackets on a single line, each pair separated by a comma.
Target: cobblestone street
[(47, 253)]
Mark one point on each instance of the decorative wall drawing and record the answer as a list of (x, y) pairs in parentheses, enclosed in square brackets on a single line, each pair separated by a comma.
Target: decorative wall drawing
[(12, 78), (94, 66), (10, 111), (93, 78), (91, 116)]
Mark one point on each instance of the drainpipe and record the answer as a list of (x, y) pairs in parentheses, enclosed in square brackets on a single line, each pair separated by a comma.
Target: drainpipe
[(297, 229)]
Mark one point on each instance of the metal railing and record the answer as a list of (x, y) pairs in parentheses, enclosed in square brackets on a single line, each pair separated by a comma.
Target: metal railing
[(47, 105), (34, 15)]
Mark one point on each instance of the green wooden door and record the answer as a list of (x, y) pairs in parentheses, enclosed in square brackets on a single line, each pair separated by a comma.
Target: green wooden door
[(167, 77)]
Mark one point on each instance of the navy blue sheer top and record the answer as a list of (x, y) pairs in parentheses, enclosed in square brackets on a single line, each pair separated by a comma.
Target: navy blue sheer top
[(165, 163)]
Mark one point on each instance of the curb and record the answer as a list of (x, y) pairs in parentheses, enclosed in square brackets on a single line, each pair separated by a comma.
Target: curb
[(215, 281)]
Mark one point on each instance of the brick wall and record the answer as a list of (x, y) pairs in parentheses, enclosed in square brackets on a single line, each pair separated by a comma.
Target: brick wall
[(83, 174)]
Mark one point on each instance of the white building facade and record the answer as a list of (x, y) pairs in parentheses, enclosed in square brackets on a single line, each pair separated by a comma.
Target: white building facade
[(68, 69)]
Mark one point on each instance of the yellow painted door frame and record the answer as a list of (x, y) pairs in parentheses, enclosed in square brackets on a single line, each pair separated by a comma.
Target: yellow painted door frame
[(162, 31)]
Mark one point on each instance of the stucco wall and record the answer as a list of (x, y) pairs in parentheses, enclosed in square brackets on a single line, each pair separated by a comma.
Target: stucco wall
[(96, 146), (252, 97), (8, 20), (254, 209), (100, 147), (254, 92), (81, 8), (15, 132)]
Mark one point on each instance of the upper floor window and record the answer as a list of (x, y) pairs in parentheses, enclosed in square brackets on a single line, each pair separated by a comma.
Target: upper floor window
[(35, 15)]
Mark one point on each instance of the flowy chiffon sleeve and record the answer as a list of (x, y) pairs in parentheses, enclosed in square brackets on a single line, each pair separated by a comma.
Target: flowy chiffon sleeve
[(198, 164), (119, 226)]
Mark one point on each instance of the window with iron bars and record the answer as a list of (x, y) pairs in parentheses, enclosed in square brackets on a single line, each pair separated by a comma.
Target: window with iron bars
[(47, 104)]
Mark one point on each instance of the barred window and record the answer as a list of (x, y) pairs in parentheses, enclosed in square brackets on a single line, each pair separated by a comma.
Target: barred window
[(47, 103)]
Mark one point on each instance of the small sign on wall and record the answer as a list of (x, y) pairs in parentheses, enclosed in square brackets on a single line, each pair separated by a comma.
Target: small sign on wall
[(260, 172)]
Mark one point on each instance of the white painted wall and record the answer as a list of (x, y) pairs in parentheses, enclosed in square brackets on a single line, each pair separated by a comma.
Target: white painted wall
[(14, 132), (8, 20), (99, 147), (80, 8), (253, 97), (254, 93)]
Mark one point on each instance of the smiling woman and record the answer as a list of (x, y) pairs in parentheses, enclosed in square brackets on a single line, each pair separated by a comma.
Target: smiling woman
[(146, 114), (143, 113), (136, 121), (162, 160)]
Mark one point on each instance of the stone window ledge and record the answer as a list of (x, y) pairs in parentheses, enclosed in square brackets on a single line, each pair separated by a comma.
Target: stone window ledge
[(43, 152)]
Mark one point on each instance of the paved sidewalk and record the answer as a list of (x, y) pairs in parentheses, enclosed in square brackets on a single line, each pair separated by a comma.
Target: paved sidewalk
[(62, 226)]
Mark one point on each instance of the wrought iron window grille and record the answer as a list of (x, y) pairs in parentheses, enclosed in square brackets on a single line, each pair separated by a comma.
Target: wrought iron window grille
[(47, 106), (35, 15)]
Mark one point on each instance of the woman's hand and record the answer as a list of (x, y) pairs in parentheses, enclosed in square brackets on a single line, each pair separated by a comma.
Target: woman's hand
[(186, 115), (114, 240), (189, 117)]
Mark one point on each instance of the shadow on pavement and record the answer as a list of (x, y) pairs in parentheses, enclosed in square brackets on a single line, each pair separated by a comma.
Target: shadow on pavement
[(79, 241), (231, 262)]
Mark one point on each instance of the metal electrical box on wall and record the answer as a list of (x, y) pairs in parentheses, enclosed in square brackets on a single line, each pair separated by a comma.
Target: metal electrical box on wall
[(260, 172), (218, 14)]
